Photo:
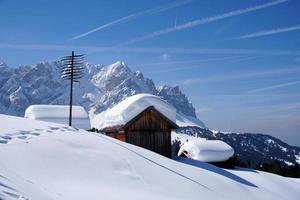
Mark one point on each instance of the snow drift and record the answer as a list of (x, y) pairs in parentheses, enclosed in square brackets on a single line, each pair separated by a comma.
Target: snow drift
[(129, 108), (42, 160), (206, 150), (59, 114)]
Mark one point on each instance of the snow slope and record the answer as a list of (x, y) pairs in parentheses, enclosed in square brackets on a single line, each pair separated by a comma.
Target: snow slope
[(41, 160)]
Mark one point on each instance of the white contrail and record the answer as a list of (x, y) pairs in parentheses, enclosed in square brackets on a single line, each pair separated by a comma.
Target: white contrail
[(231, 77), (204, 21), (134, 16), (273, 87), (197, 64), (270, 32), (200, 51)]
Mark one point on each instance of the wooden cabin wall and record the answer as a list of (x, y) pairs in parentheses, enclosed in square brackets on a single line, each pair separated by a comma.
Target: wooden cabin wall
[(117, 135), (152, 132), (150, 120), (157, 141)]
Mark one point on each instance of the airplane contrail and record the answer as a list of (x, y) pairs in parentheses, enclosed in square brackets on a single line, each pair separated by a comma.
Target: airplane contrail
[(239, 76), (212, 51), (133, 16), (270, 32), (204, 21), (273, 87)]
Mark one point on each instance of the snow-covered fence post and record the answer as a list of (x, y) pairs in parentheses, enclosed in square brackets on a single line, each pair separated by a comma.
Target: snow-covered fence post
[(72, 69)]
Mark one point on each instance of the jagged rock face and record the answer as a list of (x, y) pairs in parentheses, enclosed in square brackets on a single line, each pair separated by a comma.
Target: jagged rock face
[(101, 87), (28, 85), (117, 82), (18, 100), (178, 99)]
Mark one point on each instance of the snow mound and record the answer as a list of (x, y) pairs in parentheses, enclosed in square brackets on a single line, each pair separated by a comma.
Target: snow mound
[(206, 150), (63, 163), (59, 114), (129, 108)]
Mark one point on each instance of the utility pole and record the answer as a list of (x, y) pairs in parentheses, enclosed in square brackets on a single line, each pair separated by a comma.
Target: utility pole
[(72, 69), (71, 89)]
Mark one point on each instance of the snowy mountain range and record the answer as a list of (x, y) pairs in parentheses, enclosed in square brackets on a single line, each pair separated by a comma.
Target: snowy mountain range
[(105, 86), (101, 88)]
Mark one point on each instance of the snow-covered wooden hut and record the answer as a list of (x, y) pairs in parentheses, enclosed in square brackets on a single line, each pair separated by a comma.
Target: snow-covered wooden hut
[(59, 114), (144, 120)]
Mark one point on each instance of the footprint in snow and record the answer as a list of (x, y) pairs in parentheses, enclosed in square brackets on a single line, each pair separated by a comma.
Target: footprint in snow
[(54, 128), (29, 181), (70, 128), (35, 134), (23, 137), (24, 132), (6, 137), (3, 141), (127, 169)]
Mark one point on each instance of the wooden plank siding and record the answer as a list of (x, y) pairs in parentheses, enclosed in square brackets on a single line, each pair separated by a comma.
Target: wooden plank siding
[(150, 129), (159, 142), (117, 135)]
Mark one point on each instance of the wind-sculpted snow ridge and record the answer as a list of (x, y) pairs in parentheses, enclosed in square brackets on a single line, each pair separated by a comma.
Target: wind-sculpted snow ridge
[(64, 164)]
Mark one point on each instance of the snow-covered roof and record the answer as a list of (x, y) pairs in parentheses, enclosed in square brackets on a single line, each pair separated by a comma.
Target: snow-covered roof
[(129, 108), (59, 114), (206, 150), (54, 111)]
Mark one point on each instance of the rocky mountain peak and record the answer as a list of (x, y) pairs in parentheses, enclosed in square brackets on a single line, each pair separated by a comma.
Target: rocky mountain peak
[(177, 98), (101, 87)]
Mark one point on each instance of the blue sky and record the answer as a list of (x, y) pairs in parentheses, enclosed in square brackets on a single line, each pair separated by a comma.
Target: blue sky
[(238, 61)]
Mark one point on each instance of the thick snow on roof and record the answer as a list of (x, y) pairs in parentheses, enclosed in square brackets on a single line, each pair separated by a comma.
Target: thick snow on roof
[(54, 111), (204, 150), (59, 114), (129, 108), (46, 161)]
